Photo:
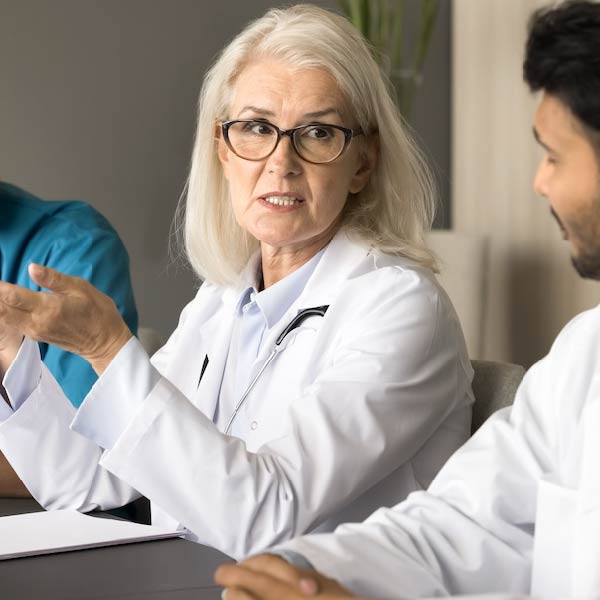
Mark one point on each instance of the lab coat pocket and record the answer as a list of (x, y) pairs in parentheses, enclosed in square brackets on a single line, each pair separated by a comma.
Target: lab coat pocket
[(556, 518)]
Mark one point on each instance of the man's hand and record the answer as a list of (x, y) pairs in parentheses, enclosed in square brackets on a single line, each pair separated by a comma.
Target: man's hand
[(76, 317), (269, 577)]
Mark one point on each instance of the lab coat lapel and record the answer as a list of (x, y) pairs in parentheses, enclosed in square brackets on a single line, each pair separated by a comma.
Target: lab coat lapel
[(215, 335), (216, 338)]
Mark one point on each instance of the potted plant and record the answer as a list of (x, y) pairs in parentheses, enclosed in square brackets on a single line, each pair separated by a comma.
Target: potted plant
[(385, 26)]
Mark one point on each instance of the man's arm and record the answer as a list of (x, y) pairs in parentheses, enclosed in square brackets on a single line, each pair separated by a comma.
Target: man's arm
[(472, 532)]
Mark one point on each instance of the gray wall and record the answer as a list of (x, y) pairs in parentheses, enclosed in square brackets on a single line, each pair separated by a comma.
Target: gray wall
[(97, 102), (431, 110)]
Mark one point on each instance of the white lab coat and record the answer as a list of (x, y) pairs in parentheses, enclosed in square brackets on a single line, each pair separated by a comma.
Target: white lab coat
[(361, 407), (516, 509)]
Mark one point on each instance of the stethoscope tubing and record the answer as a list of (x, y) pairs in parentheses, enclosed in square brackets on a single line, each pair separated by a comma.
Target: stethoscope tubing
[(316, 311)]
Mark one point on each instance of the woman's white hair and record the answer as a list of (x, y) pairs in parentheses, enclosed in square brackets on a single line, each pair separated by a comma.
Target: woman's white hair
[(395, 208)]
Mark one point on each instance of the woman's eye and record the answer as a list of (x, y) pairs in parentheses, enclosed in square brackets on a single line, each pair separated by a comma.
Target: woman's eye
[(259, 128), (319, 133)]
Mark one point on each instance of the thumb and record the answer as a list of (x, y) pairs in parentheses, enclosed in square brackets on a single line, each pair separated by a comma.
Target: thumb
[(51, 279)]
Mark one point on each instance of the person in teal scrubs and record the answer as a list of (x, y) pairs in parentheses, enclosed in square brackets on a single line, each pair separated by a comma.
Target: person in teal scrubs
[(73, 238)]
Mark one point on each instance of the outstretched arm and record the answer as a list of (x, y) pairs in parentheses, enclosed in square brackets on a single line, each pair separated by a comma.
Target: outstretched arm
[(58, 467)]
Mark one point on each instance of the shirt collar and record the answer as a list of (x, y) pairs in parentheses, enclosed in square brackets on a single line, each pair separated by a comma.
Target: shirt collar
[(274, 301)]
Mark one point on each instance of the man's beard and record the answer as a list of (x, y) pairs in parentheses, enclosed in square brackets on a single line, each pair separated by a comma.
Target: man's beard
[(586, 229), (588, 265)]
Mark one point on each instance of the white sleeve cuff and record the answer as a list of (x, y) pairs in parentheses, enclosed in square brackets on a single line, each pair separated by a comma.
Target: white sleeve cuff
[(117, 395), (22, 377)]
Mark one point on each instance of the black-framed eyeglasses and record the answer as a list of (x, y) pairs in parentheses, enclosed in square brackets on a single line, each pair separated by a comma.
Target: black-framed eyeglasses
[(317, 143)]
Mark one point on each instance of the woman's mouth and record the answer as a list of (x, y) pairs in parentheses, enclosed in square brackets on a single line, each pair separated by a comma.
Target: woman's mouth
[(282, 200)]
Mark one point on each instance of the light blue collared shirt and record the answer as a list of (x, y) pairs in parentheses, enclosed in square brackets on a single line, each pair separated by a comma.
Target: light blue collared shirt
[(256, 313)]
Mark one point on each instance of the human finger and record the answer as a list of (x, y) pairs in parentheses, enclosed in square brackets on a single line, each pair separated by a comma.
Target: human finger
[(54, 280), (17, 297), (27, 313), (274, 565), (308, 582), (263, 587), (236, 594)]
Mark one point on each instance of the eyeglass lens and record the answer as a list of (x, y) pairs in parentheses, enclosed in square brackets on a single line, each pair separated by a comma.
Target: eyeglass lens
[(255, 140)]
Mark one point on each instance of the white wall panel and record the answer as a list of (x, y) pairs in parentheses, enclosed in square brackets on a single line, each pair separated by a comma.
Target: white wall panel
[(532, 289)]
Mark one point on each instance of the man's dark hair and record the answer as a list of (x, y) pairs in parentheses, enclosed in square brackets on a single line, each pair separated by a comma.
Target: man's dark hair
[(562, 58)]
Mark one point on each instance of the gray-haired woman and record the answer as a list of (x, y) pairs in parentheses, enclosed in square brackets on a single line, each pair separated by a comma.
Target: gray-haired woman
[(320, 371)]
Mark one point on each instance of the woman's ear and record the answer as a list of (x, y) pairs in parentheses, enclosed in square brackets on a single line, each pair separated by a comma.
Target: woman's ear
[(222, 149), (366, 164)]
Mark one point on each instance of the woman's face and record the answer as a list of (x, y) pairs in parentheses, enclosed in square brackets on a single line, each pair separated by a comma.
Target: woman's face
[(285, 202)]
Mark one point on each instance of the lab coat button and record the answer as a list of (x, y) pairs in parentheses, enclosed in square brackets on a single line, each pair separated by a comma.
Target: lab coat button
[(253, 425)]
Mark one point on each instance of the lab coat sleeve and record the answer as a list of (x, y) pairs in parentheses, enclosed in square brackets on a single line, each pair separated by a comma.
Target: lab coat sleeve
[(472, 531), (58, 466), (22, 376), (103, 417), (384, 388)]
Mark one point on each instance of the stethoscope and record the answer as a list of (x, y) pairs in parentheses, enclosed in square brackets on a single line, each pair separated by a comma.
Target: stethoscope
[(316, 311)]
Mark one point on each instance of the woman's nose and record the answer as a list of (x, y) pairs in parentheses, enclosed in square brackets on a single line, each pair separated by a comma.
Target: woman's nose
[(284, 160)]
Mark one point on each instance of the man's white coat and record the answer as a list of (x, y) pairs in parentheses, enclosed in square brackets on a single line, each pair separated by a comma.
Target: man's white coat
[(516, 509)]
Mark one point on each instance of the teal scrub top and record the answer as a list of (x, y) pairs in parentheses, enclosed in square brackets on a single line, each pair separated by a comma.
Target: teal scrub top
[(73, 238)]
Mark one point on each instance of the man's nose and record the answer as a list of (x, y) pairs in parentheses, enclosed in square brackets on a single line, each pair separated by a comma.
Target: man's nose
[(540, 181)]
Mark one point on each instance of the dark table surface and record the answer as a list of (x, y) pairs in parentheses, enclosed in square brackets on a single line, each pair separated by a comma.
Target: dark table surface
[(173, 569)]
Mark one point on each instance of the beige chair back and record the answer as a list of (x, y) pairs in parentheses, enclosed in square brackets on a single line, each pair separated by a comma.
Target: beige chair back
[(494, 386), (150, 339)]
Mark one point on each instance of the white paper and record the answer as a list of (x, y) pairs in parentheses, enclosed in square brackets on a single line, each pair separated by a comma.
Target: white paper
[(63, 530)]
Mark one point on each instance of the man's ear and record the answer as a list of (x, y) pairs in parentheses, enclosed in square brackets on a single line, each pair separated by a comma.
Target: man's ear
[(366, 164)]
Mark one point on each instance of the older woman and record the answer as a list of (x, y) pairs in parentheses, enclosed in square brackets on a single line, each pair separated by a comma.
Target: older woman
[(320, 371)]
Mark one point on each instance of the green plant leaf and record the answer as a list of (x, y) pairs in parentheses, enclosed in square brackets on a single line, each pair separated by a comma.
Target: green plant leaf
[(383, 24)]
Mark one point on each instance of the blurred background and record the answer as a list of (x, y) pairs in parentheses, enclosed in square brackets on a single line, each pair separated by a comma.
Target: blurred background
[(98, 102)]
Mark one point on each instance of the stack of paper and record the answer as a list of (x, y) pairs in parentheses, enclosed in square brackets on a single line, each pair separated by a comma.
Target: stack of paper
[(64, 530)]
